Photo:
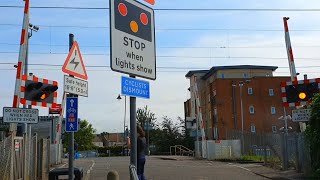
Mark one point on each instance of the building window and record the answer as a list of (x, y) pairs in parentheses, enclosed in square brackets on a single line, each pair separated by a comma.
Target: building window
[(209, 98), (222, 75), (214, 92), (215, 111), (273, 110), (274, 129), (250, 91), (209, 114), (245, 75), (253, 128), (271, 92), (251, 109)]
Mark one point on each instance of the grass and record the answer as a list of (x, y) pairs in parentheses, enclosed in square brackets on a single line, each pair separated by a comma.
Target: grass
[(252, 158)]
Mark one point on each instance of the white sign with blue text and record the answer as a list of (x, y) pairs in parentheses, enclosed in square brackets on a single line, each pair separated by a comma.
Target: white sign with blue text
[(135, 87), (72, 114)]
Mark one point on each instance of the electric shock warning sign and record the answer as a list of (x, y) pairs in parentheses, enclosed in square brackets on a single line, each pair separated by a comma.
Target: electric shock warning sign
[(132, 38)]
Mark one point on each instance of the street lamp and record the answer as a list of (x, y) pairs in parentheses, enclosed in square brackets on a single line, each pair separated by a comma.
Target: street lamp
[(124, 121)]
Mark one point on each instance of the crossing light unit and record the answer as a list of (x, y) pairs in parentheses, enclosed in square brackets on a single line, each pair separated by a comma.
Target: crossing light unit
[(38, 92), (298, 93)]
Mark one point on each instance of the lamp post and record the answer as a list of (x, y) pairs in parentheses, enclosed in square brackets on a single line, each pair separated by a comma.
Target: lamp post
[(124, 122)]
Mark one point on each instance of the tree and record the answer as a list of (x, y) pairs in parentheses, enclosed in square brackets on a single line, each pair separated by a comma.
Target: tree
[(144, 116), (83, 137), (167, 135), (313, 135), (187, 140)]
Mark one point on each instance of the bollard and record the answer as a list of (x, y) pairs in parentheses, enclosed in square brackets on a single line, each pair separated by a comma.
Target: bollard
[(113, 175)]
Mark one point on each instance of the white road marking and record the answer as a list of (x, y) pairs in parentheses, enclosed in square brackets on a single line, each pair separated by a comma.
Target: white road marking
[(89, 170)]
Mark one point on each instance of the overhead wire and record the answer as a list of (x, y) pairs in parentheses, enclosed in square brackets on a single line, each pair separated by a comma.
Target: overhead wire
[(174, 29), (159, 67), (168, 47), (174, 9)]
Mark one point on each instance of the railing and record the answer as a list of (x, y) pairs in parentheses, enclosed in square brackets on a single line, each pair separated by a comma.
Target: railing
[(133, 172), (181, 150)]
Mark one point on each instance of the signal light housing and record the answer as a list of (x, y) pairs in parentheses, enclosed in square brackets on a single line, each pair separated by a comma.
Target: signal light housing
[(38, 92), (298, 93)]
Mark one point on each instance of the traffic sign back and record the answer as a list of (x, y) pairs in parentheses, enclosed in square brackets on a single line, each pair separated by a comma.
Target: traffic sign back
[(74, 64)]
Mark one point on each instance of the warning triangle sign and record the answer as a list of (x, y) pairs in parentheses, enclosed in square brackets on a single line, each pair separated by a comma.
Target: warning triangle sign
[(74, 64)]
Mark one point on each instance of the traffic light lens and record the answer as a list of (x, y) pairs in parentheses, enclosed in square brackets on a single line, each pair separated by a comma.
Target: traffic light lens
[(44, 96), (302, 95), (144, 18), (134, 26), (122, 9)]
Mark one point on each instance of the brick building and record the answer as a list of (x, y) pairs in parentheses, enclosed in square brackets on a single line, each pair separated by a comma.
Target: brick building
[(221, 91)]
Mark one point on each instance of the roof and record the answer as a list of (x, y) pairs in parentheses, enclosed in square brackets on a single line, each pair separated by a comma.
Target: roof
[(216, 68), (190, 73), (97, 138)]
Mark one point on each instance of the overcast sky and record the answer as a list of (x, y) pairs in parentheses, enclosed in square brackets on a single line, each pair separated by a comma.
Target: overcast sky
[(185, 40)]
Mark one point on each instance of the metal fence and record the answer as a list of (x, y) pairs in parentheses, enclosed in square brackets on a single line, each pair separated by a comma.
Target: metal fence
[(24, 158), (281, 150), (5, 158)]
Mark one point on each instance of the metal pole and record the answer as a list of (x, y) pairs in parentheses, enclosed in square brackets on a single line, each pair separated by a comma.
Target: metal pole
[(285, 149), (241, 107), (148, 136), (133, 130), (124, 125), (71, 140)]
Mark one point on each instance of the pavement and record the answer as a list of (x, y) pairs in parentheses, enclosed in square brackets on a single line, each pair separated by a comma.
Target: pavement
[(181, 167)]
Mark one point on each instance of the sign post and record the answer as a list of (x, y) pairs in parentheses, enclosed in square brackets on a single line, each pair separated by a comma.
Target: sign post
[(74, 66), (132, 42)]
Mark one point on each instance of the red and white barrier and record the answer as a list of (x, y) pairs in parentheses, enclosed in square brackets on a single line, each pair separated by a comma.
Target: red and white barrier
[(22, 55)]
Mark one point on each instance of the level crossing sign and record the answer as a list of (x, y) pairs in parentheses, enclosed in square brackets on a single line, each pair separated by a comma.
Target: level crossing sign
[(132, 43), (72, 124)]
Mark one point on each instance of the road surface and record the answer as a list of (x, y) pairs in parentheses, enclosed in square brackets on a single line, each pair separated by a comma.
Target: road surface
[(159, 169)]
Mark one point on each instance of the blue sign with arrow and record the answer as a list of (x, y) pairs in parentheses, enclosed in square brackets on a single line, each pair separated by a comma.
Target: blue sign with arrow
[(72, 114)]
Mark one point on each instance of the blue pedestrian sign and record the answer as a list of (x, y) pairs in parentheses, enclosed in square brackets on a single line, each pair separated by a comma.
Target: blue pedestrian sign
[(135, 87), (72, 114)]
